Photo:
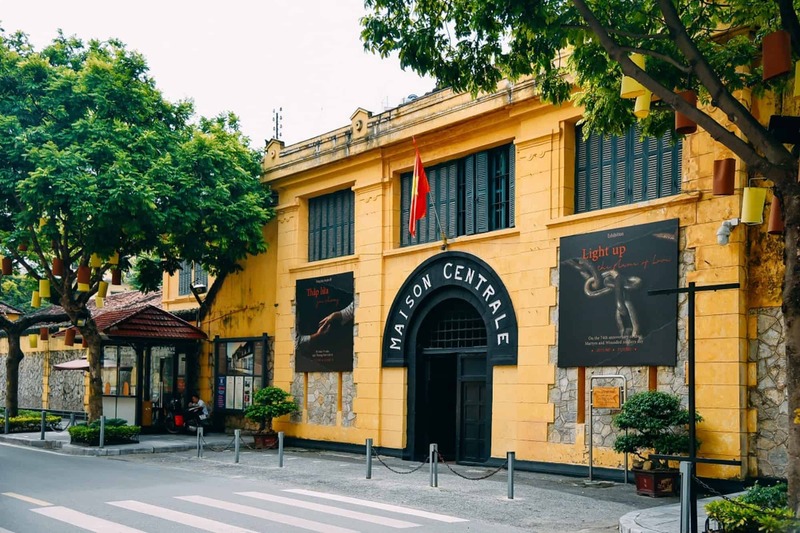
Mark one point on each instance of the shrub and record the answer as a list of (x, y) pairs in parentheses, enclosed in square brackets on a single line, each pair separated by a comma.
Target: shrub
[(29, 421), (659, 423), (759, 509), (269, 403), (114, 434)]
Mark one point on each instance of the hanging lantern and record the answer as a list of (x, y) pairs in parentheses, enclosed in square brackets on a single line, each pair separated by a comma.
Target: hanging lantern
[(116, 276), (69, 337), (102, 289), (84, 342), (84, 274), (775, 225), (99, 302), (630, 87), (23, 247), (58, 267), (42, 222), (36, 300), (776, 54), (641, 109), (114, 259), (33, 340), (95, 261), (683, 124), (44, 288), (797, 79), (753, 205), (724, 176), (44, 333), (7, 266)]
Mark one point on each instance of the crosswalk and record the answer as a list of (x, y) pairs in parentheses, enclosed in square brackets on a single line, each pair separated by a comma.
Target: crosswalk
[(294, 510)]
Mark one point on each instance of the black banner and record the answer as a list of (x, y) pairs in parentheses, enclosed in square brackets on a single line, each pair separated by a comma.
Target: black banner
[(606, 317), (324, 324)]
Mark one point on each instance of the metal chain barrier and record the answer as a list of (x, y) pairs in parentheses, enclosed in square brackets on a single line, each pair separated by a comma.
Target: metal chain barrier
[(502, 466), (225, 448), (745, 505), (59, 426), (416, 468)]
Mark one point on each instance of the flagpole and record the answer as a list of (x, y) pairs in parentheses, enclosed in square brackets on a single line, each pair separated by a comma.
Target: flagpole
[(438, 223)]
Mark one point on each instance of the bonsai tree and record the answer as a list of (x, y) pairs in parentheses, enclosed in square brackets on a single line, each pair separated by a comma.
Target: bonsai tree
[(659, 422), (268, 403)]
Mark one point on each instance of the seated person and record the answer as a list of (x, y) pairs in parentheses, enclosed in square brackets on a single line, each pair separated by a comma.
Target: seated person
[(198, 406)]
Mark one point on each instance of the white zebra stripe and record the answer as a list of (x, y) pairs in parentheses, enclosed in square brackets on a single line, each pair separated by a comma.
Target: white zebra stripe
[(84, 521)]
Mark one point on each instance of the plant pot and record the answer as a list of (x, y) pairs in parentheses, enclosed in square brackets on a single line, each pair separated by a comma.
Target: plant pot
[(265, 441), (657, 483), (776, 54), (724, 174), (683, 124)]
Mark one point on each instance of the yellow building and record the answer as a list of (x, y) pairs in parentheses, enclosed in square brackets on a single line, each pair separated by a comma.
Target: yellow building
[(525, 284)]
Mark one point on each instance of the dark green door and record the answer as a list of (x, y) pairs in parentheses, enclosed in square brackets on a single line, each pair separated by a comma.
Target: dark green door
[(473, 427)]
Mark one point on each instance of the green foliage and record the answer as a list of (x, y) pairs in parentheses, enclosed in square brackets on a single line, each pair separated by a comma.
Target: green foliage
[(659, 423), (114, 433), (28, 421), (758, 509), (269, 403), (16, 291)]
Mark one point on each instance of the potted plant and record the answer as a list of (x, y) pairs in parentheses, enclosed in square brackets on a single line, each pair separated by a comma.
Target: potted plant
[(658, 423), (268, 403)]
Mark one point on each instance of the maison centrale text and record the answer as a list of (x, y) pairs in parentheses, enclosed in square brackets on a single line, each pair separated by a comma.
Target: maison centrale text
[(453, 273)]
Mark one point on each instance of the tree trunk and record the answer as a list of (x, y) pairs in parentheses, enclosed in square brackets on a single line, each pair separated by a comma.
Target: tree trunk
[(791, 313), (94, 357), (12, 374)]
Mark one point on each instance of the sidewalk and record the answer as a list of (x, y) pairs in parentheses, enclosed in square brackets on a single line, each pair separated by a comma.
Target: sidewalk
[(658, 519)]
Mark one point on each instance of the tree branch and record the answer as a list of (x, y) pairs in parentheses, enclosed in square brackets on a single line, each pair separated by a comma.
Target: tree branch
[(774, 153), (658, 55), (790, 22), (623, 33)]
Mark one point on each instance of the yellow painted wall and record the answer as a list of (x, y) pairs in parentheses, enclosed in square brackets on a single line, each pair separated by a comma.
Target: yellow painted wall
[(447, 126)]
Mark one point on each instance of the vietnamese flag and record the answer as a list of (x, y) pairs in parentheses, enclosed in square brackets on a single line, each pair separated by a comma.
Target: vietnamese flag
[(419, 193)]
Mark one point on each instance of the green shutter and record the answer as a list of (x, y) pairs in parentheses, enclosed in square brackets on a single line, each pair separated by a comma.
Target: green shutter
[(512, 189), (469, 177), (482, 200), (405, 208)]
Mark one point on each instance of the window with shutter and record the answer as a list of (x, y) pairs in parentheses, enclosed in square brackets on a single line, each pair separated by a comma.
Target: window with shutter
[(474, 194), (185, 279), (617, 170), (331, 225)]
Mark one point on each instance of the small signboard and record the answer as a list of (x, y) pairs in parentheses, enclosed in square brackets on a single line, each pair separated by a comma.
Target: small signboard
[(606, 397)]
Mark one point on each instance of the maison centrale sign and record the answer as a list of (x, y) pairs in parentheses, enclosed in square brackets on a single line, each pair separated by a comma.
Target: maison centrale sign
[(451, 275)]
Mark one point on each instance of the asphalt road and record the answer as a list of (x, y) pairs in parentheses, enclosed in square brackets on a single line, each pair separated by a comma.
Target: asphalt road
[(314, 491)]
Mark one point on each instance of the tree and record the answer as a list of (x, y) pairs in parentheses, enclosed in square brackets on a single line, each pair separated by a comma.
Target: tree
[(711, 47), (97, 167)]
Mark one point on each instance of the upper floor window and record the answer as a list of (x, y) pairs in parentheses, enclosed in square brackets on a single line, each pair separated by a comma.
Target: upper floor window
[(331, 225), (613, 170), (190, 274), (474, 194)]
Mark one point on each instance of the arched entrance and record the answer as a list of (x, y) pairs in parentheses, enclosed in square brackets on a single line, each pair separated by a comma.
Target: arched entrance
[(451, 402), (450, 323)]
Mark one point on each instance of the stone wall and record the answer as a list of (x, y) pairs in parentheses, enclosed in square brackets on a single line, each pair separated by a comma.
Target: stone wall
[(769, 394), (66, 386), (564, 393)]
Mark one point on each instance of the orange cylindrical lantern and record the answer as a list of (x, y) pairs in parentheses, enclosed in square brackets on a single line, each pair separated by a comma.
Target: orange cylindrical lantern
[(776, 54), (775, 226), (7, 266), (44, 333), (85, 343), (58, 267), (23, 247), (116, 276), (724, 174), (84, 275), (683, 124), (69, 337)]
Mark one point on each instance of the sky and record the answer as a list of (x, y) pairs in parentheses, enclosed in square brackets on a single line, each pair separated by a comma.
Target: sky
[(303, 57)]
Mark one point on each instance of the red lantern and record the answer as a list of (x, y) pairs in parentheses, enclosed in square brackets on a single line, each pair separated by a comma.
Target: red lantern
[(776, 54), (44, 333), (683, 124), (7, 266), (69, 337), (724, 174), (58, 267), (116, 276), (775, 225)]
